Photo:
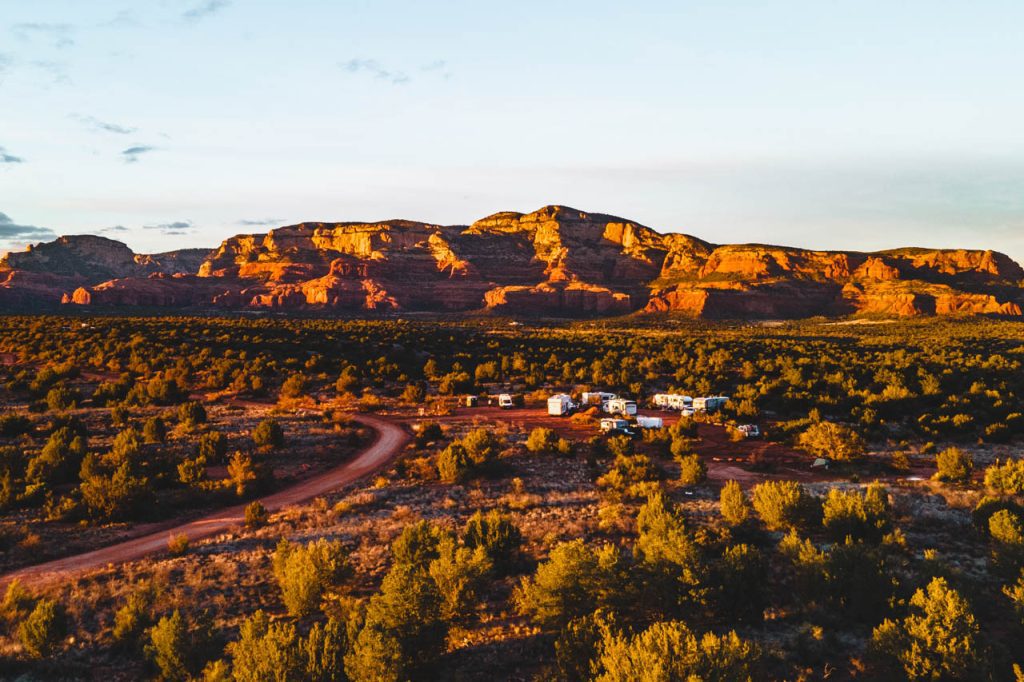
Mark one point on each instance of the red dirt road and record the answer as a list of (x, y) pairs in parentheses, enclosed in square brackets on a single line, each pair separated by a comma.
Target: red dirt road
[(388, 444)]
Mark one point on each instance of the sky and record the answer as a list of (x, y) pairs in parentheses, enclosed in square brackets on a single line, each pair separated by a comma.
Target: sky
[(843, 124)]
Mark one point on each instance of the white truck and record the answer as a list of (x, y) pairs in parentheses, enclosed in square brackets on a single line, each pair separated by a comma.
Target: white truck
[(560, 405), (749, 430), (650, 422), (621, 406)]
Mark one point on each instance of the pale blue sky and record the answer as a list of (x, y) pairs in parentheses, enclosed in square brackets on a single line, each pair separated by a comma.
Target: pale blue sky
[(858, 125)]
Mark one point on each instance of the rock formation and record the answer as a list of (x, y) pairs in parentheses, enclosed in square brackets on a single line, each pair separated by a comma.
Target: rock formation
[(555, 261)]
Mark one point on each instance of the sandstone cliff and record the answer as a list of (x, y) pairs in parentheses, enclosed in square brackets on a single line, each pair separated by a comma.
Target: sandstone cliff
[(553, 261)]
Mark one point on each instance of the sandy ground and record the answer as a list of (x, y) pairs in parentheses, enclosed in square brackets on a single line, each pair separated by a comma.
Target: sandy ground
[(388, 444)]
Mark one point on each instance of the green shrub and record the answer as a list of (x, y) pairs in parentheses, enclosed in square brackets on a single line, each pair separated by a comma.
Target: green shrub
[(256, 515), (191, 414), (43, 629), (676, 653), (154, 430), (780, 504), (304, 573), (268, 434), (830, 440), (453, 464), (938, 640), (1006, 478), (497, 535), (954, 466), (733, 504), (692, 470), (862, 516), (213, 446)]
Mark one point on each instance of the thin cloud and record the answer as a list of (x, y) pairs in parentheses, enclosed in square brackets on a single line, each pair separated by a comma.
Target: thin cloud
[(58, 34), (103, 126), (132, 154), (11, 231), (9, 158), (204, 9), (373, 68), (176, 227), (260, 222), (113, 229), (58, 70)]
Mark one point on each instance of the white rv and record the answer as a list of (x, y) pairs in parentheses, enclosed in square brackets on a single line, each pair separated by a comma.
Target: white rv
[(505, 401), (679, 402), (613, 424), (560, 405), (621, 406), (597, 398), (650, 422), (710, 404)]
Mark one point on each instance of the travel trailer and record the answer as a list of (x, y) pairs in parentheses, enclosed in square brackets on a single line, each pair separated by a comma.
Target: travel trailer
[(560, 405), (615, 425), (621, 406), (650, 422), (505, 401)]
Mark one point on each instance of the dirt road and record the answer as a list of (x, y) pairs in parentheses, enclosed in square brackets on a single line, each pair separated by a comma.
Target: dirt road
[(389, 442)]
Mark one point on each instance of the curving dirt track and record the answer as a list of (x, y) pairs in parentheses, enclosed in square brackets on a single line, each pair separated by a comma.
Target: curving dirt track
[(390, 440)]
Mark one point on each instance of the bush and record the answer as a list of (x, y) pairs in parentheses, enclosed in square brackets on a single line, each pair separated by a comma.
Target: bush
[(213, 446), (268, 434), (44, 629), (417, 544), (403, 632), (673, 650), (835, 441), (304, 573), (1007, 531), (178, 544), (579, 643), (176, 647), (256, 515), (61, 398), (780, 504), (497, 535), (265, 651), (413, 394), (733, 504), (575, 580), (453, 464), (154, 430), (192, 470), (692, 470), (542, 440), (954, 466), (134, 616), (1006, 478), (864, 516), (247, 476), (115, 495), (483, 445), (294, 386), (191, 414), (937, 641)]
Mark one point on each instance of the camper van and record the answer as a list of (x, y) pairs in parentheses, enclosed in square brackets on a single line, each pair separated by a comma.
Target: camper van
[(679, 402), (505, 401), (621, 406), (615, 425), (597, 398), (560, 405), (650, 422), (710, 404)]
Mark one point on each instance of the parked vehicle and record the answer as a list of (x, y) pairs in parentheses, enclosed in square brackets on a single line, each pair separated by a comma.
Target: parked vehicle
[(672, 401), (650, 422), (613, 425), (472, 401), (596, 398), (710, 404), (749, 430), (560, 405), (505, 401), (621, 406)]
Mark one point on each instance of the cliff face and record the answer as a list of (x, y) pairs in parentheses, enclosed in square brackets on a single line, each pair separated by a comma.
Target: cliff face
[(554, 261)]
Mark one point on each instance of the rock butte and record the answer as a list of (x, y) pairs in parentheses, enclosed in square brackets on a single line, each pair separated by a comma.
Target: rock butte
[(555, 261)]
